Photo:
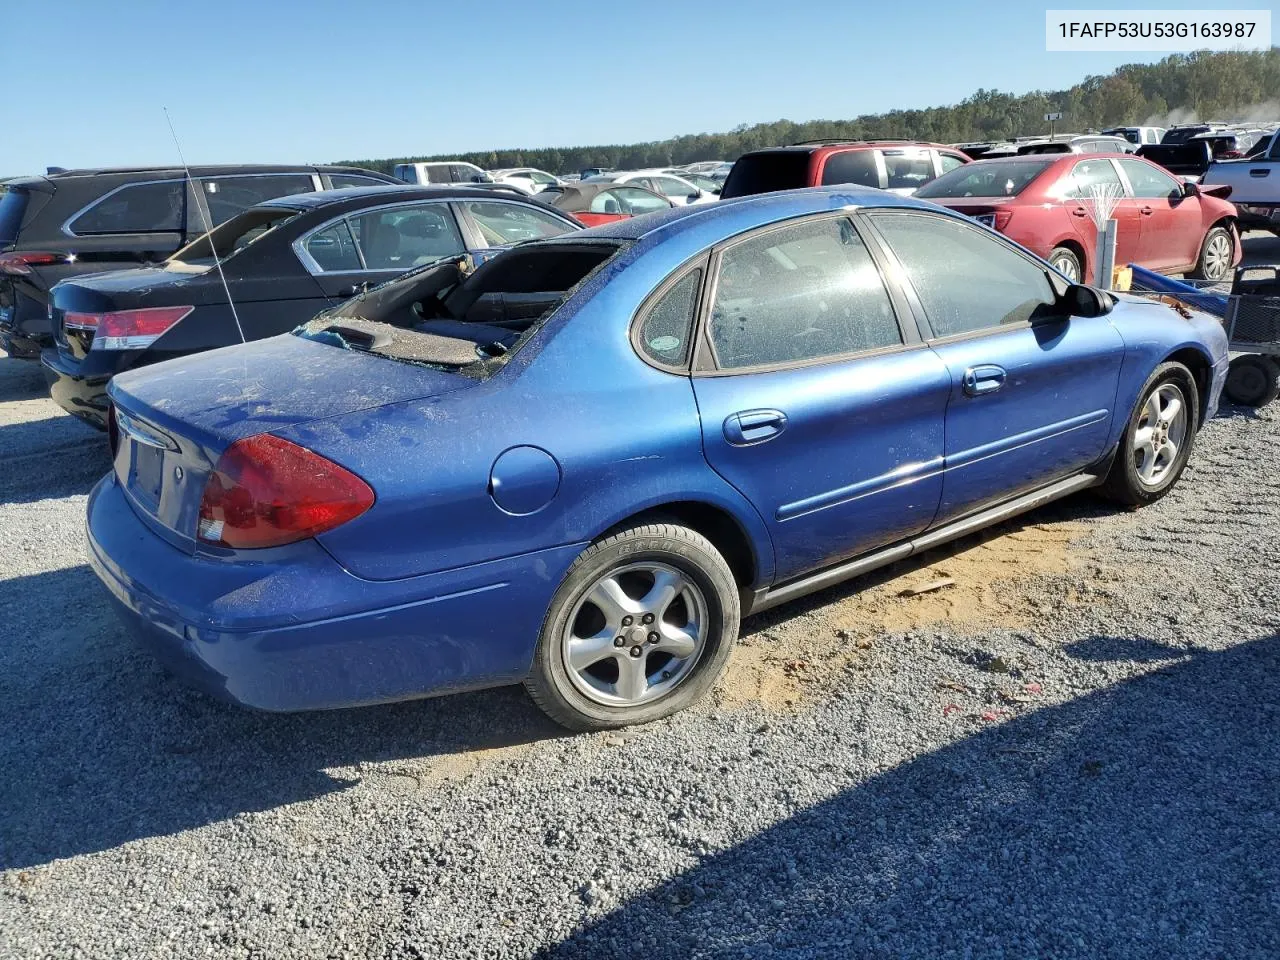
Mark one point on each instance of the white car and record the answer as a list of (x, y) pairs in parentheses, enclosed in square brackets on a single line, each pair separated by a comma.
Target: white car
[(442, 171), (529, 179), (676, 189)]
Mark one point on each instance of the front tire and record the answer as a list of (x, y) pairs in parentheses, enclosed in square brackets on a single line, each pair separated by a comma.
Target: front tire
[(1252, 380), (1216, 254), (641, 628), (1157, 441), (1067, 263)]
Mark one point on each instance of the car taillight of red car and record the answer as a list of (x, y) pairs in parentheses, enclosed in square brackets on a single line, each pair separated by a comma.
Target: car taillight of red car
[(266, 491)]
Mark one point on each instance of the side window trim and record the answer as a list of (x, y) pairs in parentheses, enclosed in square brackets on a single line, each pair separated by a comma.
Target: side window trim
[(899, 273), (701, 261), (705, 363), (313, 268), (66, 226)]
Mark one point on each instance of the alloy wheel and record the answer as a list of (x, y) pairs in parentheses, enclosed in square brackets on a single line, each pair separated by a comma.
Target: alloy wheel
[(1217, 257), (636, 634), (1162, 430)]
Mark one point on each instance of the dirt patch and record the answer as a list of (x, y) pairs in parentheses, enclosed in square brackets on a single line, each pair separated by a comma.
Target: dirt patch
[(990, 579)]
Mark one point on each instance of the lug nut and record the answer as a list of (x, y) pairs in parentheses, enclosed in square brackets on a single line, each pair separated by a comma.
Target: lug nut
[(619, 642), (636, 651), (647, 618), (653, 638), (628, 621)]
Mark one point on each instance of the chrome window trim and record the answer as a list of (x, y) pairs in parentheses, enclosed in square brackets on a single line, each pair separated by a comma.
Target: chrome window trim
[(66, 225), (309, 264)]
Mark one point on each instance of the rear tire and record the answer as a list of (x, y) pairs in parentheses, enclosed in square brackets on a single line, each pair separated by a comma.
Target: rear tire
[(1215, 258), (641, 627), (1066, 262), (1157, 440), (1252, 380)]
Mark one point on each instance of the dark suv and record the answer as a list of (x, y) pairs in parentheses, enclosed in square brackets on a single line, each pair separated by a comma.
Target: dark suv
[(901, 166), (75, 222)]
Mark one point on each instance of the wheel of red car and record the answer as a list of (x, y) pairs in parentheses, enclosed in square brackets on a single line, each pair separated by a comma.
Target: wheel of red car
[(1215, 255), (1253, 380), (641, 627), (1066, 263), (1158, 438)]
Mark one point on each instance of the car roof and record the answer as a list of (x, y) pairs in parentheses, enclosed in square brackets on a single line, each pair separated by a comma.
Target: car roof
[(743, 213), (389, 192), (206, 170), (836, 145)]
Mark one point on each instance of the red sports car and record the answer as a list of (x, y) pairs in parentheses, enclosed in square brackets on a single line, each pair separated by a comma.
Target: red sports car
[(1041, 202)]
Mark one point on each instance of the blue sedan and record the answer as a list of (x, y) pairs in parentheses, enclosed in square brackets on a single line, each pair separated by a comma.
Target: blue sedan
[(579, 466)]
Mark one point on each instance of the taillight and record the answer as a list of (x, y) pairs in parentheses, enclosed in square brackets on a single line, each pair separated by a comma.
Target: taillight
[(266, 492), (125, 329), (1002, 219), (20, 263)]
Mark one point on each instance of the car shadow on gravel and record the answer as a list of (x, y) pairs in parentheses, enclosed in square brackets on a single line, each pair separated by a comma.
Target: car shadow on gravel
[(102, 747), (65, 468), (21, 380), (1137, 821)]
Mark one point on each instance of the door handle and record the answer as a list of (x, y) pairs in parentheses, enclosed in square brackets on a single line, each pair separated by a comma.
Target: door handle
[(1145, 211), (986, 378), (753, 426), (1260, 171), (1079, 212), (354, 289)]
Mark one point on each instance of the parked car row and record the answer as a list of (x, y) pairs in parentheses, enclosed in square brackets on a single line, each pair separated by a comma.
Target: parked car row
[(76, 222)]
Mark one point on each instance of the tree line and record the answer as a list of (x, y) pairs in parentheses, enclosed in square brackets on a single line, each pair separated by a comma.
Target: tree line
[(1226, 86)]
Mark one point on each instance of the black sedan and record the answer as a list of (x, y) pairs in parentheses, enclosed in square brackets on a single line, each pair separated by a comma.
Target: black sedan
[(283, 262)]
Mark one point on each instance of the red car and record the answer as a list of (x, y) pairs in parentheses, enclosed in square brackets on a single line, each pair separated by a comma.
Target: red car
[(899, 166), (1041, 203), (597, 203)]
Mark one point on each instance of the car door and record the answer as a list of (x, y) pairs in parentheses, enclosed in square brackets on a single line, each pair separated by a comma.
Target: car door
[(1031, 391), (1089, 176), (818, 401), (1172, 229), (365, 248)]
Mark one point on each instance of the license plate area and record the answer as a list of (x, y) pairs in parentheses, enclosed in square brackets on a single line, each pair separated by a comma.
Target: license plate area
[(146, 474)]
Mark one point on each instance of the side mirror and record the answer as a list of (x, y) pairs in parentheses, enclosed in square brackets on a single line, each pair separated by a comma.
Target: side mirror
[(694, 197), (1081, 300), (1190, 189)]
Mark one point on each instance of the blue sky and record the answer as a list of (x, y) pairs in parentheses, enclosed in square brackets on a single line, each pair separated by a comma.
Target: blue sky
[(279, 81)]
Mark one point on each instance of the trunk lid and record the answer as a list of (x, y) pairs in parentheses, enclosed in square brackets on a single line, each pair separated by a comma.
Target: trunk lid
[(174, 419)]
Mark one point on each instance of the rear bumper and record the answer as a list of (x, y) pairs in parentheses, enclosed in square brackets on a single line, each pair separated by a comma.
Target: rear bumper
[(297, 632), (18, 346), (81, 394)]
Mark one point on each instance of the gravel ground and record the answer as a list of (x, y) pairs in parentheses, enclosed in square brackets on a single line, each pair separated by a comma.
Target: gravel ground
[(1072, 751)]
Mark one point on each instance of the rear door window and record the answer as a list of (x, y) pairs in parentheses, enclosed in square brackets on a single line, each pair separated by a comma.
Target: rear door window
[(155, 207), (227, 196), (1087, 174), (803, 292), (851, 166), (340, 180), (332, 250), (401, 238), (767, 171), (502, 223)]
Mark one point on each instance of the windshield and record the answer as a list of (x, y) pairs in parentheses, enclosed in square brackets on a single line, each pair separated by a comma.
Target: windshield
[(13, 204), (233, 236), (986, 178)]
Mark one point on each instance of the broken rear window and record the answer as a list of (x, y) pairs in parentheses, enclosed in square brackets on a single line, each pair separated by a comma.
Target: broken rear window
[(449, 316)]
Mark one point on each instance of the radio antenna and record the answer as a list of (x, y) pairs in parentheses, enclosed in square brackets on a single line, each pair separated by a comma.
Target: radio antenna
[(208, 228)]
